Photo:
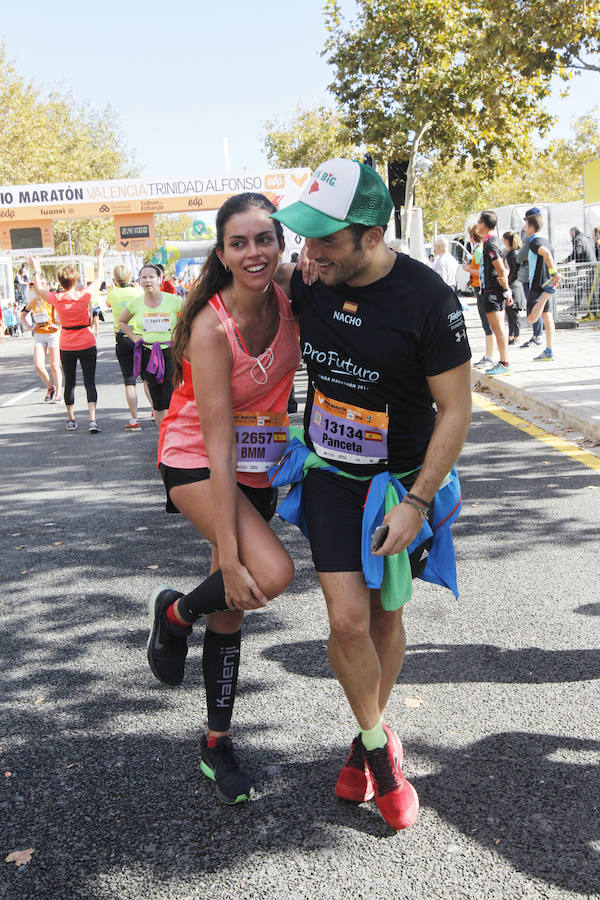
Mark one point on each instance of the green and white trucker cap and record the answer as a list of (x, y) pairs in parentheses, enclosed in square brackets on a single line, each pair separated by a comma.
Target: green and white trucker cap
[(341, 192)]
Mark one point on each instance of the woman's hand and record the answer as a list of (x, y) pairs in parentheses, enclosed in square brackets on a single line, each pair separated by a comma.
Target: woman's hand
[(31, 263), (308, 267), (102, 248), (241, 590)]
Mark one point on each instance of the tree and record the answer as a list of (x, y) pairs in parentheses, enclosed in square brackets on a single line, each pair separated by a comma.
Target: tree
[(417, 77), (58, 139), (451, 191), (312, 136), (548, 36)]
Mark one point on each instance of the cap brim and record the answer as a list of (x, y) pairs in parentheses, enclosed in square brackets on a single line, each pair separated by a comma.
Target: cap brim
[(308, 222)]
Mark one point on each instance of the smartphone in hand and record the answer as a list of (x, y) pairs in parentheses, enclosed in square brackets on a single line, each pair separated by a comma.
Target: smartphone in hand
[(379, 536)]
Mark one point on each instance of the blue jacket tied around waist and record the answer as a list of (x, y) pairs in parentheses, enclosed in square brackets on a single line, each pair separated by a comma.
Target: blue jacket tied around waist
[(390, 573)]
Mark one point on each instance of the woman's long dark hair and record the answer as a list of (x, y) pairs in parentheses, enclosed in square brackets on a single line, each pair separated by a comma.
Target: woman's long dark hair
[(214, 276)]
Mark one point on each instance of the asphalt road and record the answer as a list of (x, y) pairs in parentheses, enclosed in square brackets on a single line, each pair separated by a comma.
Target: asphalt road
[(105, 781)]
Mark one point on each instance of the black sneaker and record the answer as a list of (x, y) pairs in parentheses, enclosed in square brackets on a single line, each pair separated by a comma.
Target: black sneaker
[(167, 644), (220, 765), (532, 342)]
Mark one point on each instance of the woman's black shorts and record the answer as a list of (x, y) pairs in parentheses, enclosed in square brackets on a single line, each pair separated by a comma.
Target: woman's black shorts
[(264, 500), (124, 350), (160, 392), (333, 506)]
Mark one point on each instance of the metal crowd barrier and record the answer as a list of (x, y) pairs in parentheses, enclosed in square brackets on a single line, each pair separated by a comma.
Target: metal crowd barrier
[(577, 297)]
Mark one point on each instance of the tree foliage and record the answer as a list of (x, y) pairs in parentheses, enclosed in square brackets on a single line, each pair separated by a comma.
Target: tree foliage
[(54, 138), (420, 77), (452, 191), (550, 36), (312, 136)]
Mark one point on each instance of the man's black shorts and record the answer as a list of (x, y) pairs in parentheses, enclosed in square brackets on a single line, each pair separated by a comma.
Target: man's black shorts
[(264, 500), (333, 506), (533, 298), (493, 301)]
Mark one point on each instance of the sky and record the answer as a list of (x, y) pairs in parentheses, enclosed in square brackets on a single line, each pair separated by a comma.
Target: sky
[(183, 77)]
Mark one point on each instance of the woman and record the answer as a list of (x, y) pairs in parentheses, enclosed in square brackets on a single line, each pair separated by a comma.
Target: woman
[(77, 341), (117, 299), (236, 349), (46, 333), (473, 269), (156, 313), (512, 244)]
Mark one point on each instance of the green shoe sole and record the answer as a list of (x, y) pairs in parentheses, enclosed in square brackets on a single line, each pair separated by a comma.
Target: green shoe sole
[(241, 798)]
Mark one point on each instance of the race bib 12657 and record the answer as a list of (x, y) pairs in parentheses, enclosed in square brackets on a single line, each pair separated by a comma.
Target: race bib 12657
[(261, 439)]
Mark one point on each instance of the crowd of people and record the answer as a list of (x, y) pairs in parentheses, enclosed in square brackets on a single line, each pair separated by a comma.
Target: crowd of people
[(519, 274)]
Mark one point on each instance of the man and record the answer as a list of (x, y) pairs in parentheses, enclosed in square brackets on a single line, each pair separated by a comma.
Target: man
[(543, 278), (494, 287), (382, 338), (444, 263), (523, 259), (583, 255)]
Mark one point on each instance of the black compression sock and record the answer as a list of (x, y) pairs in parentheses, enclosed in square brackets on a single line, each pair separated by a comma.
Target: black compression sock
[(207, 598), (220, 665)]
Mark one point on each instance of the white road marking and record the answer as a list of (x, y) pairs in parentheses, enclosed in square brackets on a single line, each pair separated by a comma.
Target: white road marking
[(20, 397)]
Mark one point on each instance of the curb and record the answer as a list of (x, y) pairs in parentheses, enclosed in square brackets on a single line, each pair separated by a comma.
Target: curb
[(542, 407)]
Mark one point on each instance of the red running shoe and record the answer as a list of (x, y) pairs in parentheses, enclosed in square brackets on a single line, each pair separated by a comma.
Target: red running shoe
[(397, 800), (354, 782)]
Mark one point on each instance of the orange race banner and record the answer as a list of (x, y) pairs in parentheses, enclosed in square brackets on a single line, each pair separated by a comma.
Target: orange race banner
[(134, 196)]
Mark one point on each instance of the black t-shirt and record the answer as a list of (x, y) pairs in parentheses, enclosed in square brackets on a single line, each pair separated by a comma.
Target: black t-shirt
[(490, 251), (372, 348), (538, 270)]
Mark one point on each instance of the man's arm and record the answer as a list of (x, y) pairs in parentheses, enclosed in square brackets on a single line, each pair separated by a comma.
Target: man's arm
[(452, 394), (501, 272), (546, 255)]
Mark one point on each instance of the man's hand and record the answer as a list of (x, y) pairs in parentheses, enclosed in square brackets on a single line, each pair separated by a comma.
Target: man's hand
[(404, 522)]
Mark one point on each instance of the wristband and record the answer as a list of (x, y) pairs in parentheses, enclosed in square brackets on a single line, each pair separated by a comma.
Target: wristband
[(417, 506), (551, 271), (422, 503), (507, 293)]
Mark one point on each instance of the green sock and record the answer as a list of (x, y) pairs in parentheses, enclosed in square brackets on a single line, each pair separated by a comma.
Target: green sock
[(373, 738)]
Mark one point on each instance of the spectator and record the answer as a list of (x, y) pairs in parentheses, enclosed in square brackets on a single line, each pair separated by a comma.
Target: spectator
[(494, 286), (584, 256), (473, 268), (21, 283), (512, 243), (444, 263), (543, 279)]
